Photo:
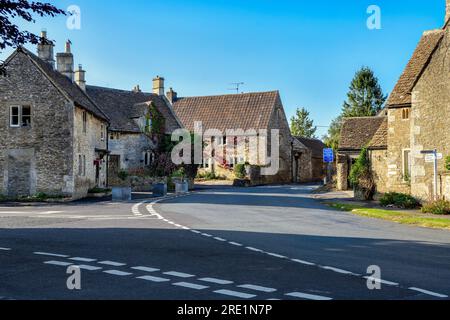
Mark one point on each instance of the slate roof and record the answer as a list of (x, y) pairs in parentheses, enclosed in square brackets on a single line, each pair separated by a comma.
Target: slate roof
[(357, 133), (401, 95), (315, 145), (122, 107), (380, 138), (64, 84), (232, 111)]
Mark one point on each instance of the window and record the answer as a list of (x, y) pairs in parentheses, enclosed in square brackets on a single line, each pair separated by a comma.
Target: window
[(102, 132), (80, 165), (405, 114), (20, 116), (406, 164), (84, 166), (84, 121), (148, 158)]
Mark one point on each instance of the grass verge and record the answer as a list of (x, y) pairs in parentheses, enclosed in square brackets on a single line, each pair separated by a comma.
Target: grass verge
[(409, 218)]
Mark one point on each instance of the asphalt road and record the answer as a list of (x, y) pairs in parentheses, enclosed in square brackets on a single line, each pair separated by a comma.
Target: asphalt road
[(256, 243)]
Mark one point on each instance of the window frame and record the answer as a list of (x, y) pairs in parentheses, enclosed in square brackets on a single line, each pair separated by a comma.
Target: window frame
[(84, 121), (406, 167), (20, 116)]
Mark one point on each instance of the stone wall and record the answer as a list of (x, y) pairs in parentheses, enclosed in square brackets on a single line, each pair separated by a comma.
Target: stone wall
[(85, 145), (130, 147), (445, 182), (398, 141), (379, 169), (431, 119), (37, 158)]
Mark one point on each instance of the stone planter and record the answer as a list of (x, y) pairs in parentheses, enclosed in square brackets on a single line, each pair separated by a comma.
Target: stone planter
[(242, 183), (121, 193), (160, 189), (181, 187), (361, 194)]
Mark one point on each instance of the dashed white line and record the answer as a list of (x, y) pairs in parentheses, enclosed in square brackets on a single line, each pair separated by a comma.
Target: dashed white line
[(257, 288), (112, 263), (179, 274), (388, 283), (235, 244), (89, 268), (5, 249), (430, 293), (51, 254), (145, 269), (253, 249), (303, 262), (237, 294), (83, 259), (220, 239), (58, 263), (337, 270), (196, 231), (118, 273), (190, 285), (153, 279), (276, 255), (216, 281), (307, 296), (207, 235)]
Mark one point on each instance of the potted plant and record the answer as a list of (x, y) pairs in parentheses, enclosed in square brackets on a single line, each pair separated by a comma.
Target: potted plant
[(180, 181), (122, 191)]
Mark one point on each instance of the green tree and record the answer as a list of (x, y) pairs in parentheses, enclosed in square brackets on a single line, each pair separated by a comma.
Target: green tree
[(302, 125), (365, 98), (11, 11)]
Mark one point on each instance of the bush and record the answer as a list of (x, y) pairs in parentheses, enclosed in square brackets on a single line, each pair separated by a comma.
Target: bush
[(210, 176), (239, 171), (447, 163), (437, 207), (361, 175), (399, 200), (180, 173), (122, 175)]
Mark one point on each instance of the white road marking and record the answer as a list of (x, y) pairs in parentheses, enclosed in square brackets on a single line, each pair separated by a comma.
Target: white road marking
[(51, 254), (308, 296), (337, 270), (216, 281), (235, 244), (179, 274), (83, 259), (5, 249), (206, 235), (190, 285), (276, 255), (196, 231), (89, 268), (145, 269), (118, 273), (220, 239), (153, 279), (257, 288), (58, 263), (253, 249), (178, 226), (388, 283), (112, 263), (235, 294), (303, 262), (430, 293)]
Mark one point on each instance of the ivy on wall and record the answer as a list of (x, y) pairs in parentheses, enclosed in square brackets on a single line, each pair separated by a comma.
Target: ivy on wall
[(447, 163)]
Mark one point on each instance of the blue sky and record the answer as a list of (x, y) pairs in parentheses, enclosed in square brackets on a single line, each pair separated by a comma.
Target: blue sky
[(308, 50)]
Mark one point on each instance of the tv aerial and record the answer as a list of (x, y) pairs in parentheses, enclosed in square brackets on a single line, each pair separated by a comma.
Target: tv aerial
[(237, 86)]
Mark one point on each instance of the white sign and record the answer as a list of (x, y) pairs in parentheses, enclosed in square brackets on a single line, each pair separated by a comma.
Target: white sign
[(431, 158)]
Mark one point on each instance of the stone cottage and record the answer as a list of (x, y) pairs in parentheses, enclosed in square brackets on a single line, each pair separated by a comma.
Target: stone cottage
[(419, 119), (53, 136), (133, 133), (308, 165), (250, 113)]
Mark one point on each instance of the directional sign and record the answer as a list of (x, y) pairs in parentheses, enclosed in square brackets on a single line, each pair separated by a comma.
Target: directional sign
[(431, 158), (328, 155)]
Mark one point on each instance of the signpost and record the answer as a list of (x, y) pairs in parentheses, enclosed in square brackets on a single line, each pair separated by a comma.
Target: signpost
[(432, 156), (328, 158)]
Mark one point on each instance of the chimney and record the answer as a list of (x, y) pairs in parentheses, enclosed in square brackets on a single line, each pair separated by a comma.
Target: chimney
[(137, 89), (64, 62), (447, 11), (45, 49), (158, 86), (171, 96), (80, 78)]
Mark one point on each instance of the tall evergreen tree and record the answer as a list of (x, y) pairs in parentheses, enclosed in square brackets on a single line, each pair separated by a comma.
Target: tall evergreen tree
[(365, 98), (11, 34), (302, 125)]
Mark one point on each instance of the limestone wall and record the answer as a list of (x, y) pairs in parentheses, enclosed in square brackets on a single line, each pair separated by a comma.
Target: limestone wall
[(379, 169)]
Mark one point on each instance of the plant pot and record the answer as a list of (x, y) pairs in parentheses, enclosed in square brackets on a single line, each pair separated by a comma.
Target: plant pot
[(160, 189), (121, 193), (181, 187)]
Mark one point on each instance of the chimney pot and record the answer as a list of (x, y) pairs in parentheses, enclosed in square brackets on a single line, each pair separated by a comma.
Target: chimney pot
[(65, 63), (171, 96), (45, 49), (80, 77), (137, 89)]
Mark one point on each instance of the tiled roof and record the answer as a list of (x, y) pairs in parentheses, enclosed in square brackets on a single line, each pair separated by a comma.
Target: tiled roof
[(64, 84), (401, 94), (357, 133), (123, 106), (380, 138), (315, 145), (234, 111)]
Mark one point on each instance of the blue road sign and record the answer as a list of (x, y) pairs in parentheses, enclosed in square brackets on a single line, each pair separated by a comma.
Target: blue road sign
[(328, 155)]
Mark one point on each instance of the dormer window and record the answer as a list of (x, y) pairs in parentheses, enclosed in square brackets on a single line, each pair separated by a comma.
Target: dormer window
[(20, 116)]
